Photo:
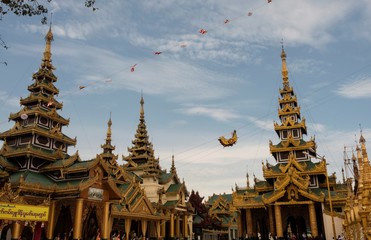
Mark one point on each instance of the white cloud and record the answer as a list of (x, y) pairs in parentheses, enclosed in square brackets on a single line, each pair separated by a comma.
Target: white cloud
[(262, 124), (212, 112), (360, 88)]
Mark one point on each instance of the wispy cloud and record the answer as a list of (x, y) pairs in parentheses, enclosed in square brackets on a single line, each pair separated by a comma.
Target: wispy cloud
[(360, 88), (262, 124), (218, 114)]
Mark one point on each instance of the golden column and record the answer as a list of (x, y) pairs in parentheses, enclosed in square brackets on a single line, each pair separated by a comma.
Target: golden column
[(163, 228), (78, 219), (158, 229), (185, 226), (277, 212), (127, 228), (177, 226), (249, 222), (16, 230), (50, 228), (105, 224), (313, 219), (144, 228), (171, 225), (271, 220), (239, 224)]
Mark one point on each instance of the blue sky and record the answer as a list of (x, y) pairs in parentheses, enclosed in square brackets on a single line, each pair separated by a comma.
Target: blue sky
[(201, 86)]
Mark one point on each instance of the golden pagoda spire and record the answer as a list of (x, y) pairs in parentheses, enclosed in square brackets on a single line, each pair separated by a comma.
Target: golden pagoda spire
[(172, 169), (109, 131), (285, 72), (107, 147), (141, 106), (47, 59)]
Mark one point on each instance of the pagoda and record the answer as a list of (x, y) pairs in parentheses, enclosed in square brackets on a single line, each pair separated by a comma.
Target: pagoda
[(357, 222), (45, 193), (164, 189), (297, 197)]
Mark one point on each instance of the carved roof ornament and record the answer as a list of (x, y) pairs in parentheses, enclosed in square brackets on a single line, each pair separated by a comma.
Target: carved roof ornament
[(7, 194)]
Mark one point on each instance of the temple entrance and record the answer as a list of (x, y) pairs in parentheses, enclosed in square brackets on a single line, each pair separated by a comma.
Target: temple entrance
[(90, 227), (63, 225), (295, 227)]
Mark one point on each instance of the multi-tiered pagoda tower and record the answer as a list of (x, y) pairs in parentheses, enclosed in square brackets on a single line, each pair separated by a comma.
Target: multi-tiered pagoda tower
[(296, 195), (164, 189), (45, 193)]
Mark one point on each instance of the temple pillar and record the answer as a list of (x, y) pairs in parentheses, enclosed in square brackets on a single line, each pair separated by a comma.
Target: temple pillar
[(77, 230), (271, 220), (50, 226), (190, 225), (158, 229), (185, 226), (105, 223), (127, 228), (277, 212), (163, 228), (239, 224), (249, 223), (171, 225), (177, 226), (313, 219), (144, 228), (16, 230)]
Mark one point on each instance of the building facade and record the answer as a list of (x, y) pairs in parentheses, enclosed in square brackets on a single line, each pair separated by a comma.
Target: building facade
[(297, 197), (47, 193)]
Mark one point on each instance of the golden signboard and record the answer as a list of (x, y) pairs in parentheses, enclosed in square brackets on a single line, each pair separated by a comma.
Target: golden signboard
[(21, 212)]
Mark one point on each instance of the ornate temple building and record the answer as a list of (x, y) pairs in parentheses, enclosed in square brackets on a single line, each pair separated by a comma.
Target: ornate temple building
[(357, 222), (221, 208), (164, 189), (296, 197), (46, 193)]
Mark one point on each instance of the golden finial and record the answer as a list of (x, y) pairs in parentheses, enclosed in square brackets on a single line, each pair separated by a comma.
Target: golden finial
[(173, 169), (285, 72), (47, 60), (109, 132), (141, 105)]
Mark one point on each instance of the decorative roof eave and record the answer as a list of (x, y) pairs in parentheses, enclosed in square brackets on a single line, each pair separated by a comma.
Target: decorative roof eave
[(300, 182), (277, 148), (62, 163), (281, 183), (18, 130), (274, 197), (113, 185), (26, 186), (289, 111), (292, 162), (8, 165), (287, 99), (263, 188), (120, 213), (52, 113), (47, 72), (9, 152), (3, 174), (279, 127), (312, 196), (44, 85), (286, 90), (81, 166), (39, 97)]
